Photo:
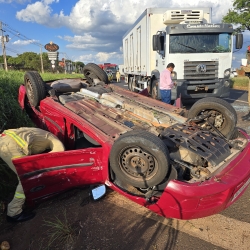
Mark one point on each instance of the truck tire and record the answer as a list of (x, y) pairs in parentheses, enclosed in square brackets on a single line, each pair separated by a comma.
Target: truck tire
[(92, 71), (35, 87), (140, 159), (154, 90), (221, 114), (130, 82)]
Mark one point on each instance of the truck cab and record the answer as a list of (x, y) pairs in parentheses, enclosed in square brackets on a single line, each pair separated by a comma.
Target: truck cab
[(200, 50)]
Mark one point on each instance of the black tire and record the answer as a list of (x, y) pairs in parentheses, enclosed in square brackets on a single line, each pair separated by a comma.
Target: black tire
[(154, 90), (133, 85), (134, 150), (92, 71), (35, 87), (216, 107), (130, 80)]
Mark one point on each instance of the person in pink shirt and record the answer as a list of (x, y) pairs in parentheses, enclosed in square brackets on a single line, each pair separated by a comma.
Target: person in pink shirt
[(166, 83)]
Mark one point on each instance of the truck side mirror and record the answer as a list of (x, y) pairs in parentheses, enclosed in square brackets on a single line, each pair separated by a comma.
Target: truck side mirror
[(156, 43), (239, 41)]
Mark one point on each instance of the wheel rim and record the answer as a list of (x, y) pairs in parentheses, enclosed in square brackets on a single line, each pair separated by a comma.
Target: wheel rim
[(137, 163), (29, 89)]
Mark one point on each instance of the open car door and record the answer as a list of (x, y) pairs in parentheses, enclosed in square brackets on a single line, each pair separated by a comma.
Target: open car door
[(47, 174)]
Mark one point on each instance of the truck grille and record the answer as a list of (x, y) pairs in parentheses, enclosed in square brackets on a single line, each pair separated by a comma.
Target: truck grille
[(201, 72)]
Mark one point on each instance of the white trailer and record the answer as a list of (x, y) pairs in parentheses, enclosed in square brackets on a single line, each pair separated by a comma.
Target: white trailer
[(200, 50)]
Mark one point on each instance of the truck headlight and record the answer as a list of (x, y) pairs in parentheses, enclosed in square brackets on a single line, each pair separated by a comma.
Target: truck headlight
[(227, 73), (226, 83)]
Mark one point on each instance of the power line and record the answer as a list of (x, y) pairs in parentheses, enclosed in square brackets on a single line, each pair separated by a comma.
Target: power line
[(19, 34), (12, 50), (23, 37)]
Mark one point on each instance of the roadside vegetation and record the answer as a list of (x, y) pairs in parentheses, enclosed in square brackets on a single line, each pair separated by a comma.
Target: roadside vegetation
[(240, 82), (32, 61), (11, 116)]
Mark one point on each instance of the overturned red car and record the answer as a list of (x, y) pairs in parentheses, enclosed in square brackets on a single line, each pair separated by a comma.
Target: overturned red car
[(176, 163)]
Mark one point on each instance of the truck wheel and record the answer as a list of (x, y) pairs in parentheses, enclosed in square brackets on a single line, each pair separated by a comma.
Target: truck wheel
[(35, 87), (154, 90), (130, 81), (220, 114), (140, 159), (92, 71), (131, 85)]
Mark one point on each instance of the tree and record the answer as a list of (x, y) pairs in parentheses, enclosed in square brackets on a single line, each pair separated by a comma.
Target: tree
[(239, 15), (29, 61)]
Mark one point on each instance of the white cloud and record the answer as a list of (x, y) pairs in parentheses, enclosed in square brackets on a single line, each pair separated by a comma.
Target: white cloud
[(99, 25), (91, 43), (100, 57), (104, 57), (23, 43), (109, 16), (41, 13)]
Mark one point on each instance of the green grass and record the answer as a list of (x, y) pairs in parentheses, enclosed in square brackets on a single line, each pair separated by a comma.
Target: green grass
[(240, 82), (60, 231), (11, 114)]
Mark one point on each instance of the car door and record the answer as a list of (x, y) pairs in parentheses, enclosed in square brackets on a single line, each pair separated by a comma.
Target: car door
[(47, 174)]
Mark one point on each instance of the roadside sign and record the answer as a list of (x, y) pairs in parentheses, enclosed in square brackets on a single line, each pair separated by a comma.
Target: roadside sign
[(51, 47)]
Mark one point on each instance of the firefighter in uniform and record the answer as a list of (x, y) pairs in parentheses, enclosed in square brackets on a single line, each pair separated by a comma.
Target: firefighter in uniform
[(118, 76), (15, 143)]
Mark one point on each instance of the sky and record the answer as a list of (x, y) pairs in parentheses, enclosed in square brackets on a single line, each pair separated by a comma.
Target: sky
[(87, 30)]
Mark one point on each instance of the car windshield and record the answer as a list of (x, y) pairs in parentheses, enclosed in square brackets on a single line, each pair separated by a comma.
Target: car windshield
[(200, 43)]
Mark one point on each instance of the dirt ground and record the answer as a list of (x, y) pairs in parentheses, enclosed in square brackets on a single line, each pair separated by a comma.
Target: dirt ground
[(99, 225)]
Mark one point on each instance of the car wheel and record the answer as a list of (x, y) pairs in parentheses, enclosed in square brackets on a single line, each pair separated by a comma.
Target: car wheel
[(92, 71), (35, 87), (140, 159), (218, 112)]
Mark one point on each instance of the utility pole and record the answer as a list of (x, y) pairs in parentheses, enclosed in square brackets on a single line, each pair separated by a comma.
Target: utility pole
[(41, 57), (3, 47)]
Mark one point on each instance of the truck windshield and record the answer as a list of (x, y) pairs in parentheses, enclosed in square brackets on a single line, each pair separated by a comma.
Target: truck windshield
[(112, 68), (200, 43)]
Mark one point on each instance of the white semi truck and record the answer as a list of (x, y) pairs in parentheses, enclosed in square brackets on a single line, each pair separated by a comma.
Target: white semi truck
[(201, 51)]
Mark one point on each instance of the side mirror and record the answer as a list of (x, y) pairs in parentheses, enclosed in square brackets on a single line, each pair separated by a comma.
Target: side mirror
[(156, 43), (239, 41), (98, 192)]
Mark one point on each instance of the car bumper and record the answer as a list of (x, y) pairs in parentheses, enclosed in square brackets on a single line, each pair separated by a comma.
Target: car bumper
[(190, 201), (186, 201)]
